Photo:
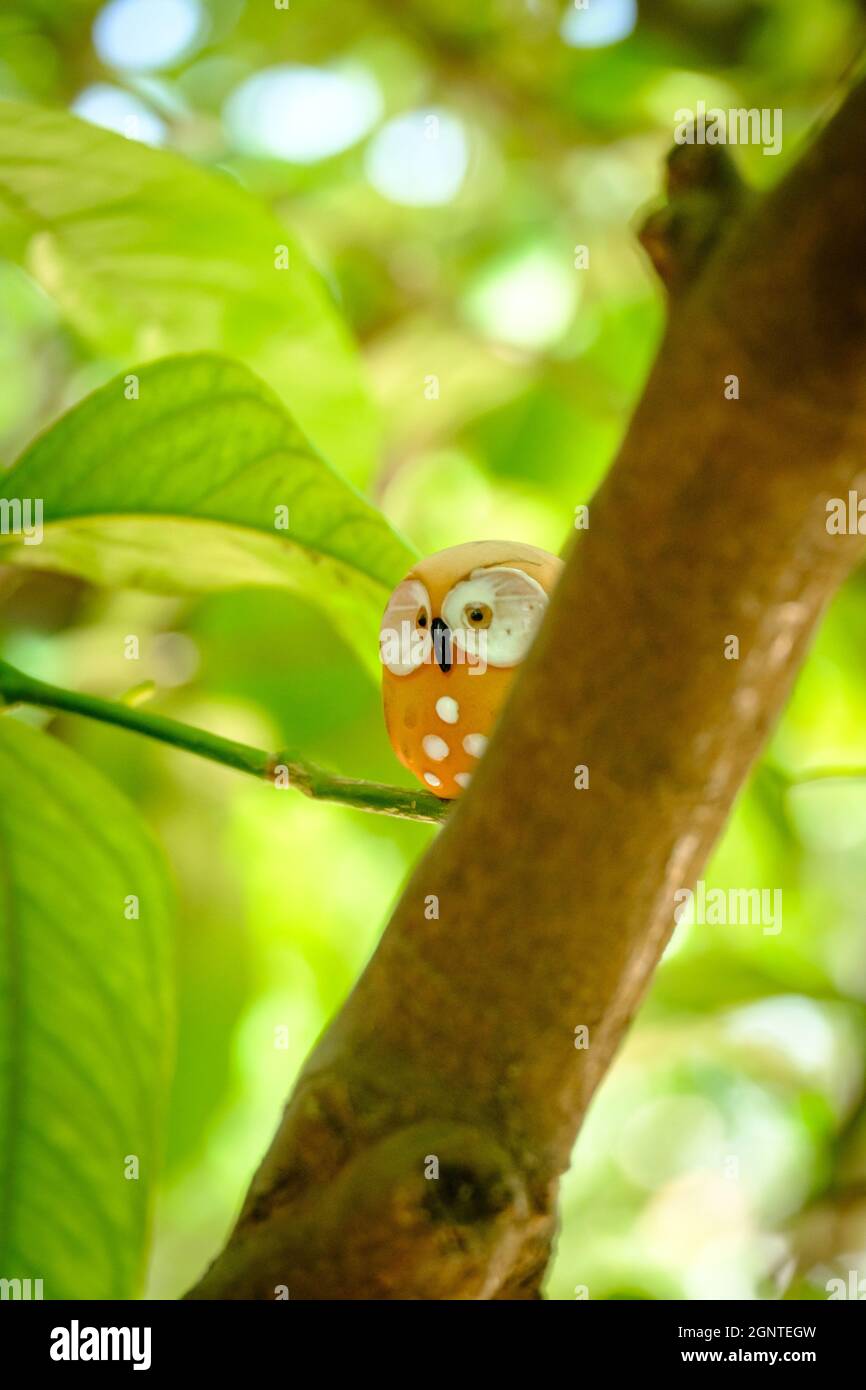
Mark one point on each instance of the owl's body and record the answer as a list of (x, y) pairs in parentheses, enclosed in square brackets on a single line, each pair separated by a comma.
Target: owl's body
[(453, 634)]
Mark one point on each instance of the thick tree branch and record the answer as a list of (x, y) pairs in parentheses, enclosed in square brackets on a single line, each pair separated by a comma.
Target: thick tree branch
[(283, 769), (554, 904)]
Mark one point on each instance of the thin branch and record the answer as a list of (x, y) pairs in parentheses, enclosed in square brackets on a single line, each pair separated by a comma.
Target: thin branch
[(284, 769)]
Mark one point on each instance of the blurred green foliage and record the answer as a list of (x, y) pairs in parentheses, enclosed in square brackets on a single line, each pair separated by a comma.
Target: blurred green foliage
[(87, 1037), (726, 1154)]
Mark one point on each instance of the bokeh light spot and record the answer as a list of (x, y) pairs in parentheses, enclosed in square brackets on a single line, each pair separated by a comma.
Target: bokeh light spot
[(115, 109), (302, 114), (144, 35), (419, 159), (599, 23), (527, 300)]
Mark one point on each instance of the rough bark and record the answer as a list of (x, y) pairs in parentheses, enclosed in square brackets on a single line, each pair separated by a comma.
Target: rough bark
[(556, 903)]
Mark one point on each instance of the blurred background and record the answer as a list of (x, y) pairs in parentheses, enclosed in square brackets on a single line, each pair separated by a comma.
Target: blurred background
[(441, 162)]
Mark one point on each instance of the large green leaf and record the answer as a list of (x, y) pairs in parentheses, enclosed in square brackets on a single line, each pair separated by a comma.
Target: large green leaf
[(147, 254), (177, 491), (85, 1023)]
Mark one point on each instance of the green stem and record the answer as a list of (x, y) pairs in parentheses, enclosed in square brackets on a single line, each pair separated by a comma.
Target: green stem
[(283, 769)]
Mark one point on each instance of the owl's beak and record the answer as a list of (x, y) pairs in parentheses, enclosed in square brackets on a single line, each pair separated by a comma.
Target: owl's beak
[(441, 633)]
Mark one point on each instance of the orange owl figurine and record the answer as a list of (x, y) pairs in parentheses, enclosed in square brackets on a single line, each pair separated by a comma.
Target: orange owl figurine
[(453, 633)]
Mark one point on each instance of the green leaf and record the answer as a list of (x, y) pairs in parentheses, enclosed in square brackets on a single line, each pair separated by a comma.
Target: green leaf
[(147, 254), (85, 1023), (176, 492)]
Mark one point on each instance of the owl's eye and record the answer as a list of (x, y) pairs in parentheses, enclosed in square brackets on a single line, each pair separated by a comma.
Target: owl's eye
[(404, 637), (478, 615), (494, 614)]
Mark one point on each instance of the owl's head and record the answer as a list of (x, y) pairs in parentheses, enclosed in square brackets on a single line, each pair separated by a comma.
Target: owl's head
[(478, 604), (467, 612)]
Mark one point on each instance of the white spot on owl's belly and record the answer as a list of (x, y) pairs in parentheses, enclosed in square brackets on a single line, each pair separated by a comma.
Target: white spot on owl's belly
[(475, 744), (463, 778), (435, 747), (432, 780), (448, 709)]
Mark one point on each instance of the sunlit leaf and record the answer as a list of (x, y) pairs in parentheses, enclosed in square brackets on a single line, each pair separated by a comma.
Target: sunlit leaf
[(85, 1023), (189, 488), (146, 254)]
